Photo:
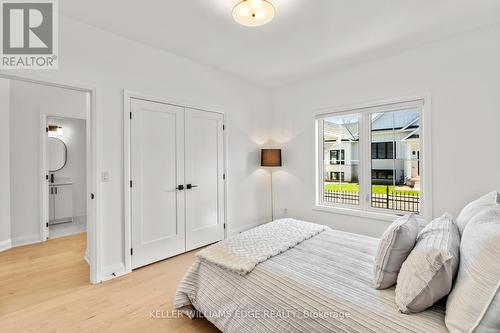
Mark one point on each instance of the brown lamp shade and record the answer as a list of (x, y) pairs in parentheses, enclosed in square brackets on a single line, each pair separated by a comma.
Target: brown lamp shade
[(270, 158)]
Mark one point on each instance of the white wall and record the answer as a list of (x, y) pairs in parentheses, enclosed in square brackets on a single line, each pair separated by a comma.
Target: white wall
[(74, 136), (27, 102), (4, 167), (463, 76), (113, 63)]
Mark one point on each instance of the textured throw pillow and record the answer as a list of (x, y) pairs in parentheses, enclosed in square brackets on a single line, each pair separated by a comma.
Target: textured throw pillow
[(427, 274), (474, 303), (490, 200), (393, 248)]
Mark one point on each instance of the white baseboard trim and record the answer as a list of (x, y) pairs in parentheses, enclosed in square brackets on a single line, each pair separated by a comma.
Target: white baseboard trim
[(113, 271), (87, 259), (237, 230), (82, 213), (26, 240), (5, 245)]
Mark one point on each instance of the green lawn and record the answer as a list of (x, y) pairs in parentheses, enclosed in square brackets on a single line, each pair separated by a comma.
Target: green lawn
[(376, 189)]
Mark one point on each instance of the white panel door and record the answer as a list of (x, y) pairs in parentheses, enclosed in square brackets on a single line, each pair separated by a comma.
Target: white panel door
[(204, 174), (157, 168)]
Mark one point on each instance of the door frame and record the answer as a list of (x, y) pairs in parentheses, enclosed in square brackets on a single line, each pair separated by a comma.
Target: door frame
[(127, 96), (44, 195), (93, 128)]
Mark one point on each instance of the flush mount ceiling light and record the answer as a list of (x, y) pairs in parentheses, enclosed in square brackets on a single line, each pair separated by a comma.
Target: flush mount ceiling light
[(253, 13)]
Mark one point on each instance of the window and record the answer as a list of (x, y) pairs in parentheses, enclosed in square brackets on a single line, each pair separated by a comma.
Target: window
[(382, 150), (337, 176), (340, 167), (372, 158), (337, 157), (382, 175)]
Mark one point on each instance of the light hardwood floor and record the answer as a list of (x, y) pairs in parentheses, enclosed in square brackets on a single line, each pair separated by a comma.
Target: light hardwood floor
[(44, 288)]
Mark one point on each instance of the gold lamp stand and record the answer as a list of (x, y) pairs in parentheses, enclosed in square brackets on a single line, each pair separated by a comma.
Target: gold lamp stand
[(271, 158)]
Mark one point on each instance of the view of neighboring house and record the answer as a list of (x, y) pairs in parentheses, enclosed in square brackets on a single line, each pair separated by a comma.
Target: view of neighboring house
[(395, 148)]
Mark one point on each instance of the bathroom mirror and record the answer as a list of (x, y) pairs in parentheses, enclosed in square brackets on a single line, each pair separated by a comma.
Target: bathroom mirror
[(57, 154)]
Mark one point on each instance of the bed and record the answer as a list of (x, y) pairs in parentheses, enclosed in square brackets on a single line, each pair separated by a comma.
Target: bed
[(322, 284)]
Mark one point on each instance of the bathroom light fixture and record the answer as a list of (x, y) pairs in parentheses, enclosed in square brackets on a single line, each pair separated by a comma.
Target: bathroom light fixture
[(55, 130), (253, 13)]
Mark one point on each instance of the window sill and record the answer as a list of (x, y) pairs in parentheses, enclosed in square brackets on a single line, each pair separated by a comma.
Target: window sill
[(357, 212)]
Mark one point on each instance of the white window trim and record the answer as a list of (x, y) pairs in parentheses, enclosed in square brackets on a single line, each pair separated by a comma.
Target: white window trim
[(364, 209)]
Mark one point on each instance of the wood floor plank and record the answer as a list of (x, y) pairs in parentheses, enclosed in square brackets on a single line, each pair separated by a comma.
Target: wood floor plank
[(45, 288)]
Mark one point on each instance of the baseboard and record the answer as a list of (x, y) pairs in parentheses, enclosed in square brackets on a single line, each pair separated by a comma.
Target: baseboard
[(86, 257), (113, 271), (5, 245), (25, 240), (82, 213)]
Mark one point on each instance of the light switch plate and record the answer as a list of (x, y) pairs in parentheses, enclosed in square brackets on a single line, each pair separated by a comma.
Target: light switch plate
[(105, 176)]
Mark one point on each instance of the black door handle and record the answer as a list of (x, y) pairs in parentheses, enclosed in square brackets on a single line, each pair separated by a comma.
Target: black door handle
[(189, 186), (180, 187)]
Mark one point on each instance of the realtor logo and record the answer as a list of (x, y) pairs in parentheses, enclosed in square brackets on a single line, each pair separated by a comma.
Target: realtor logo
[(29, 34)]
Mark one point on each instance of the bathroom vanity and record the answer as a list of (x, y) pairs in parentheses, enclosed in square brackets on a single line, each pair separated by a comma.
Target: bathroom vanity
[(60, 202)]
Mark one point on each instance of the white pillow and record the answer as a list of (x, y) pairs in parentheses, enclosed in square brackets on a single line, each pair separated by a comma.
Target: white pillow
[(393, 248), (490, 200), (427, 274), (474, 303)]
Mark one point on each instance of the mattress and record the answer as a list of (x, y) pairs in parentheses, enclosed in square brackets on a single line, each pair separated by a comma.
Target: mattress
[(323, 284)]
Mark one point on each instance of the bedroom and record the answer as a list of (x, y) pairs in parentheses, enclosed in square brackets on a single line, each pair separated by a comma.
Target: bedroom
[(272, 83)]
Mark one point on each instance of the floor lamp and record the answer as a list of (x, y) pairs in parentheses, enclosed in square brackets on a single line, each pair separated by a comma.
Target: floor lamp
[(271, 158)]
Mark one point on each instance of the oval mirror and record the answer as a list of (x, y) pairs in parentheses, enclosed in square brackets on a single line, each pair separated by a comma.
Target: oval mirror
[(56, 154)]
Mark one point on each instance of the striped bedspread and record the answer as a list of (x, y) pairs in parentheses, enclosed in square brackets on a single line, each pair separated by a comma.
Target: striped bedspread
[(323, 284)]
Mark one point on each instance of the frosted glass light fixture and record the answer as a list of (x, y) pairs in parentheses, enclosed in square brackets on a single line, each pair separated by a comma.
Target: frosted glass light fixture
[(253, 13)]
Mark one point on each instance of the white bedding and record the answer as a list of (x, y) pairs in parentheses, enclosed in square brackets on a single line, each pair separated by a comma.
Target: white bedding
[(241, 253), (323, 284)]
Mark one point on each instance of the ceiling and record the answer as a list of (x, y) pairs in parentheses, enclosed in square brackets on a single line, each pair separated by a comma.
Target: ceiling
[(305, 38)]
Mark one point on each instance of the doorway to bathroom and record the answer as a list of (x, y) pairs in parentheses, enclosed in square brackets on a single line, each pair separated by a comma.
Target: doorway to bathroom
[(51, 162), (64, 153)]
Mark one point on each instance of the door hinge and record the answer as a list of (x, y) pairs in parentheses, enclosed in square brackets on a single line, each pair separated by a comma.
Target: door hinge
[(47, 224), (224, 226), (92, 196), (46, 129), (223, 127), (130, 115), (224, 176), (131, 251), (46, 177), (130, 183)]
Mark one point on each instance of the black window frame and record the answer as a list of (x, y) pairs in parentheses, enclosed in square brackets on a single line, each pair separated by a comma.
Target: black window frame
[(388, 174), (383, 150), (337, 161), (340, 178)]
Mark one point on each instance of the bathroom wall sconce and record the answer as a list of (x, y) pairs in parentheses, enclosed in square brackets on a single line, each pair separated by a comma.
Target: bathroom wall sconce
[(55, 130)]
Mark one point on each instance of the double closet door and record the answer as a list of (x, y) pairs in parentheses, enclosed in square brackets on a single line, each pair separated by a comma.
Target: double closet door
[(177, 181)]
